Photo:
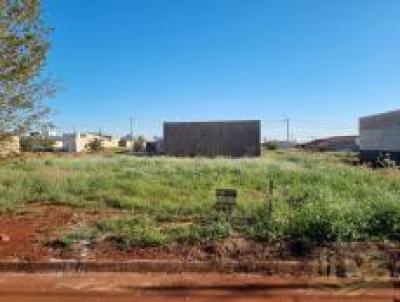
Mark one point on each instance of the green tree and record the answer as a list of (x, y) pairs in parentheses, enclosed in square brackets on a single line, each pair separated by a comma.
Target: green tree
[(139, 144), (24, 43), (95, 145)]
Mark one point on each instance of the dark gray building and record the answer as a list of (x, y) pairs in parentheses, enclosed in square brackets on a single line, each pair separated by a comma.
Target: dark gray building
[(380, 135), (219, 138)]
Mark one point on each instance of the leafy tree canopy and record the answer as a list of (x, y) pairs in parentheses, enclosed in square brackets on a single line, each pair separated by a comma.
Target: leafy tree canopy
[(24, 43)]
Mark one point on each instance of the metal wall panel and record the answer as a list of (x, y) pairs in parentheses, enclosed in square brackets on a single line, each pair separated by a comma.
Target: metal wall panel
[(380, 132), (210, 139)]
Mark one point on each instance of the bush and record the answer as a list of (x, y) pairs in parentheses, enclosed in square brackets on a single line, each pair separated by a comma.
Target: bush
[(139, 145), (218, 229), (266, 227), (133, 232), (96, 145), (383, 221), (143, 231), (271, 146)]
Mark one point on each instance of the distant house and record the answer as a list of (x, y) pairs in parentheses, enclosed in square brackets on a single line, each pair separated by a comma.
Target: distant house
[(334, 143), (58, 142), (125, 142), (78, 142), (9, 145), (155, 146), (56, 139), (380, 136), (51, 136)]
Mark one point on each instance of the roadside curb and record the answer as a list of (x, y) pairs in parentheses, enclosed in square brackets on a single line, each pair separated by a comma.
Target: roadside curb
[(140, 266)]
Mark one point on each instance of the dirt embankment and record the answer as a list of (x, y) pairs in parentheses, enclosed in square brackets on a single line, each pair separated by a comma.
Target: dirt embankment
[(27, 235), (32, 235)]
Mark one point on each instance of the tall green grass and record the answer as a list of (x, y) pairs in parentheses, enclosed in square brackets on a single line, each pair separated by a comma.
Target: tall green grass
[(316, 198)]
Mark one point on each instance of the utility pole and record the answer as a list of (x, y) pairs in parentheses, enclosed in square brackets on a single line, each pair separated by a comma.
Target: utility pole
[(287, 129), (131, 136)]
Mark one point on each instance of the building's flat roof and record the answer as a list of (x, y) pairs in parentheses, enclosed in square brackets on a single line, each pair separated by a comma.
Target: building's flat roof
[(214, 121), (380, 119), (377, 115)]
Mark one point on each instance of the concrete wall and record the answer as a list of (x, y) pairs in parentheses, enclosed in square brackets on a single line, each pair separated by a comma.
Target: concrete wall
[(9, 146), (110, 142), (380, 133), (58, 144), (70, 142), (227, 138), (77, 142), (125, 143)]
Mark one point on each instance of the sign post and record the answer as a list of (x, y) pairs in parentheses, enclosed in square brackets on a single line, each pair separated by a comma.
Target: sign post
[(225, 199)]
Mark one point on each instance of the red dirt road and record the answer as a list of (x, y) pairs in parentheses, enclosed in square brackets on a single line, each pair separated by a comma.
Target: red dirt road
[(186, 287)]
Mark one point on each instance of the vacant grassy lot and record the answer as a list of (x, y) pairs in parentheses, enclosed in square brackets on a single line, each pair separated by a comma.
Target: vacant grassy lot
[(317, 198)]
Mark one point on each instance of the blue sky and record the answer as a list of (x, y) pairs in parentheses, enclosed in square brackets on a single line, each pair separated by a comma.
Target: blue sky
[(322, 63)]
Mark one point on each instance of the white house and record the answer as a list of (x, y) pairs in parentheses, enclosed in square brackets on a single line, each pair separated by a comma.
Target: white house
[(78, 142)]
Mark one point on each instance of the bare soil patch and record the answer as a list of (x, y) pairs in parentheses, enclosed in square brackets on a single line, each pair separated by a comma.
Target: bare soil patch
[(28, 231), (32, 234)]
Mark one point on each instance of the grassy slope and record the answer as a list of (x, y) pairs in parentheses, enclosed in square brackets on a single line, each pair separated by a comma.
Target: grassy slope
[(317, 197)]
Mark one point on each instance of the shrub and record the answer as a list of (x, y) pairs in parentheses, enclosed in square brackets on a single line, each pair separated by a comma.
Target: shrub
[(95, 145), (271, 146), (132, 232), (317, 223), (383, 221), (218, 229), (266, 226), (139, 145)]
